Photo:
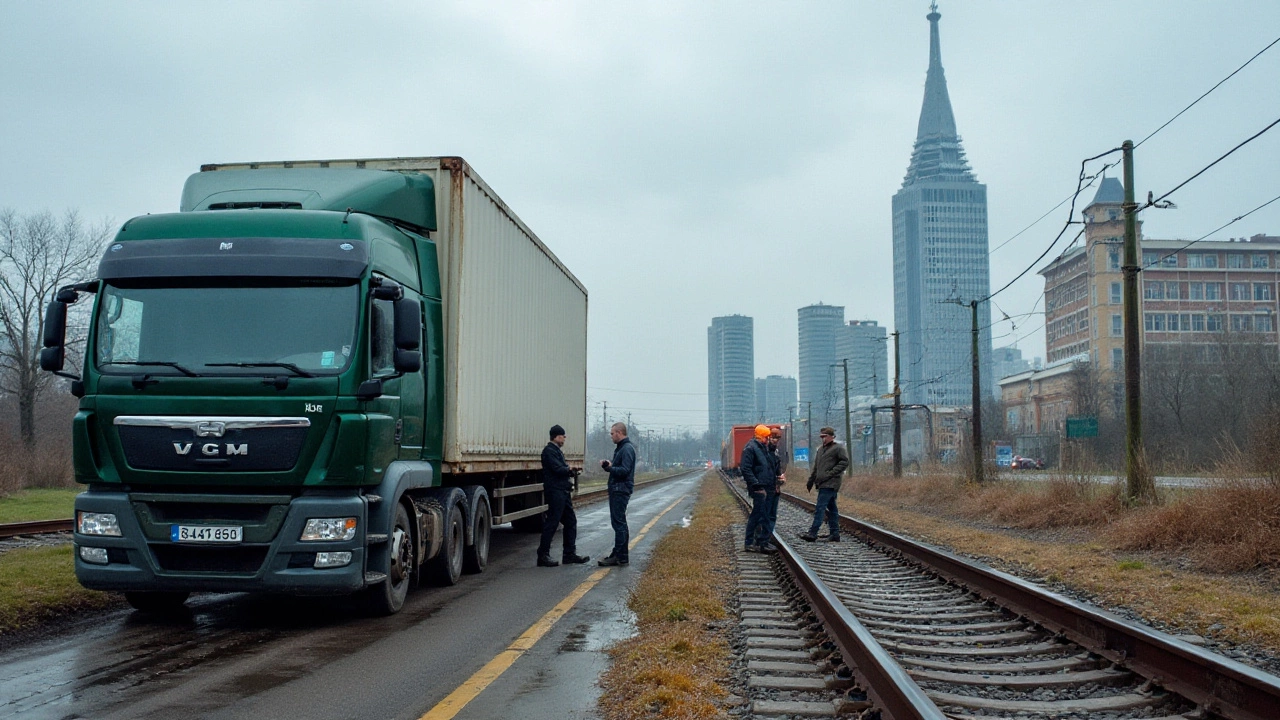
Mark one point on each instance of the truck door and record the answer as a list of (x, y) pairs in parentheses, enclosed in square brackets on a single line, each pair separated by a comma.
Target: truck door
[(411, 403)]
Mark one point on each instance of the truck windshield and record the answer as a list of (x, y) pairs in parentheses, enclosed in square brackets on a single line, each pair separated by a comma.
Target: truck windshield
[(299, 329)]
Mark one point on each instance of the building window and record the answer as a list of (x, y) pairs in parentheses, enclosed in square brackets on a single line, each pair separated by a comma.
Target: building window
[(1261, 261), (1185, 323), (1262, 291), (1117, 358), (1170, 260), (1241, 323), (1117, 325), (1197, 323), (1117, 296), (1213, 291), (1153, 290), (1239, 291), (1173, 323), (1173, 291), (1213, 323), (1202, 260), (1235, 260), (1262, 323), (1113, 259), (1197, 290), (1149, 258)]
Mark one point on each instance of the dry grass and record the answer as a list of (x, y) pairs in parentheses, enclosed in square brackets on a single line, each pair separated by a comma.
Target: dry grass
[(677, 663)]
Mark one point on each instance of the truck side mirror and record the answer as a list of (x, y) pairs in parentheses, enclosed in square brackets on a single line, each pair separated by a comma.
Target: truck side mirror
[(55, 328), (408, 324), (408, 335)]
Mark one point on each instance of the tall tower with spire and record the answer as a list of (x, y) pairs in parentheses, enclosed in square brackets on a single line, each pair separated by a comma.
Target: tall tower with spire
[(940, 254)]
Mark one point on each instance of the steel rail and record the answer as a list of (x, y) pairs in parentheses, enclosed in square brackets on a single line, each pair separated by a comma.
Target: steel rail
[(35, 527), (1216, 683), (889, 687)]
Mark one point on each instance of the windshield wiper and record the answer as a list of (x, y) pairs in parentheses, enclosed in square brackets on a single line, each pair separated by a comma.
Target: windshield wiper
[(166, 363), (285, 365)]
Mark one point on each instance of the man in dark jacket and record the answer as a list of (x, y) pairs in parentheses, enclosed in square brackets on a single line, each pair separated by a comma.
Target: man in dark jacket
[(557, 491), (778, 454), (759, 472), (828, 467), (622, 480)]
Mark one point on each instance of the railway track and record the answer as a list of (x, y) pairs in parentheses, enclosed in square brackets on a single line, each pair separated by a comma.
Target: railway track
[(35, 527), (928, 634)]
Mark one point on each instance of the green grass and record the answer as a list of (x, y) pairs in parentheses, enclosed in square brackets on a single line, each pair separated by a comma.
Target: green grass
[(38, 504), (39, 584), (1131, 565)]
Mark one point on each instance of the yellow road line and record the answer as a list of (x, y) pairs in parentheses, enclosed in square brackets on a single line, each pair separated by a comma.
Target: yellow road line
[(476, 684)]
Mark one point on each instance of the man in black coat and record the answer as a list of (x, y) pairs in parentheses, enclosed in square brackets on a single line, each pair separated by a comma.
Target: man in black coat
[(760, 472), (557, 490), (622, 480)]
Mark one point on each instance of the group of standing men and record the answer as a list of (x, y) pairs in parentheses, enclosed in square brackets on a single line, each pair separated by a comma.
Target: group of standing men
[(763, 468), (557, 490)]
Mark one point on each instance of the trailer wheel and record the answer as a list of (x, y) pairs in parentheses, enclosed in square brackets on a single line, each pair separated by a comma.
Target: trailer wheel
[(446, 568), (387, 597), (476, 555), (158, 603)]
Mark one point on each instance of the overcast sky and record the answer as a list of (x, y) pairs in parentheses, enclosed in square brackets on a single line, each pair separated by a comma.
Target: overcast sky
[(684, 159)]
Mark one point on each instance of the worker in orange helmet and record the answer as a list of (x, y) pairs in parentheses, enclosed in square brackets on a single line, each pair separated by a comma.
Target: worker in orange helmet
[(759, 472)]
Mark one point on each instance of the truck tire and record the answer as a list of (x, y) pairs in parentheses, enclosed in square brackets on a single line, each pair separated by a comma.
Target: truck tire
[(446, 568), (387, 597), (159, 603), (475, 557)]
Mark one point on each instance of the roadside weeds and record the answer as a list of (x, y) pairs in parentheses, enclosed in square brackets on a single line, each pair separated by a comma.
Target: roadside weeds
[(677, 664), (38, 585)]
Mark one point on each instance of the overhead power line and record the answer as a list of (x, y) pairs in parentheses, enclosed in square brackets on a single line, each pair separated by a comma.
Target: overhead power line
[(1224, 156), (1206, 93), (1220, 228)]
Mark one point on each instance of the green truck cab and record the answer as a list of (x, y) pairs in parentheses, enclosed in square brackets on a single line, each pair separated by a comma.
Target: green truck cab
[(281, 389)]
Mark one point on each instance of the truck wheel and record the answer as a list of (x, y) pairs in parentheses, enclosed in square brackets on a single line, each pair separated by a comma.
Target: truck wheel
[(158, 603), (446, 568), (387, 597), (476, 555), (529, 523)]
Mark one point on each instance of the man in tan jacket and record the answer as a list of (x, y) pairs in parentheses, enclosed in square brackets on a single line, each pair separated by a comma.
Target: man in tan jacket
[(828, 467)]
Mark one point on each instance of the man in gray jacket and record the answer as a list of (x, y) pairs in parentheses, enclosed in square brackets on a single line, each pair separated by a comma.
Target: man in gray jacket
[(829, 464)]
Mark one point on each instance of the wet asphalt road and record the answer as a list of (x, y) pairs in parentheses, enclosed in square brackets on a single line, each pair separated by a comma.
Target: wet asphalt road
[(242, 656)]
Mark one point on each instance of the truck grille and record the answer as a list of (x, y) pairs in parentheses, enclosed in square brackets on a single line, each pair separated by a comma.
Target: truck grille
[(212, 444)]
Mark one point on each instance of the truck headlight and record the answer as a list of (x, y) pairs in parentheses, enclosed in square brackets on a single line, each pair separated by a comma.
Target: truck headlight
[(329, 529), (332, 559), (97, 556), (96, 523)]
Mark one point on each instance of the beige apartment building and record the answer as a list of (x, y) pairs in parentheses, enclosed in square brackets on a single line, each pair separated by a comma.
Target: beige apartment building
[(1191, 293)]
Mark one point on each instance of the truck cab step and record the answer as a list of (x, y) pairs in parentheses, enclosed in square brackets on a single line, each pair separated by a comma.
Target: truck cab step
[(373, 499), (373, 578), (375, 538)]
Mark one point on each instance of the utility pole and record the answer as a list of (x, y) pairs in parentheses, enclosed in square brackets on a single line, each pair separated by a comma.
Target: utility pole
[(977, 399), (1139, 486), (897, 408), (848, 431), (808, 426), (875, 443)]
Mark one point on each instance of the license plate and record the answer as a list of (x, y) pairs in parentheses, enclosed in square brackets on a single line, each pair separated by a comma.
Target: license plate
[(206, 533)]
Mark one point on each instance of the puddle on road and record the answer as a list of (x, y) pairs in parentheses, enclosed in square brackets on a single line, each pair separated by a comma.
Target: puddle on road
[(600, 635)]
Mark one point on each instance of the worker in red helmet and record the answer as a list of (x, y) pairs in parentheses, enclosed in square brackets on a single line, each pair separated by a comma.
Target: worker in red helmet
[(759, 472)]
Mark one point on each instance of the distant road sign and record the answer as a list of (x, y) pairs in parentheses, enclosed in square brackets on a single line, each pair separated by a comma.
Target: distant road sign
[(1004, 455), (1082, 426), (802, 455)]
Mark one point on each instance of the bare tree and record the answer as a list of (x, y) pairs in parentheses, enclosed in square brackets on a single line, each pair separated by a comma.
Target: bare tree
[(38, 254)]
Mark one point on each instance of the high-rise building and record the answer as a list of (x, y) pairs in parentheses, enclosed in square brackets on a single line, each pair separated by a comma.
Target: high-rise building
[(1006, 361), (731, 372), (940, 255), (819, 326), (863, 343), (774, 395)]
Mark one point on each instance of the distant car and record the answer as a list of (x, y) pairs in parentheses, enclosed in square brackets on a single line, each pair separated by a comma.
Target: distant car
[(1026, 463)]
